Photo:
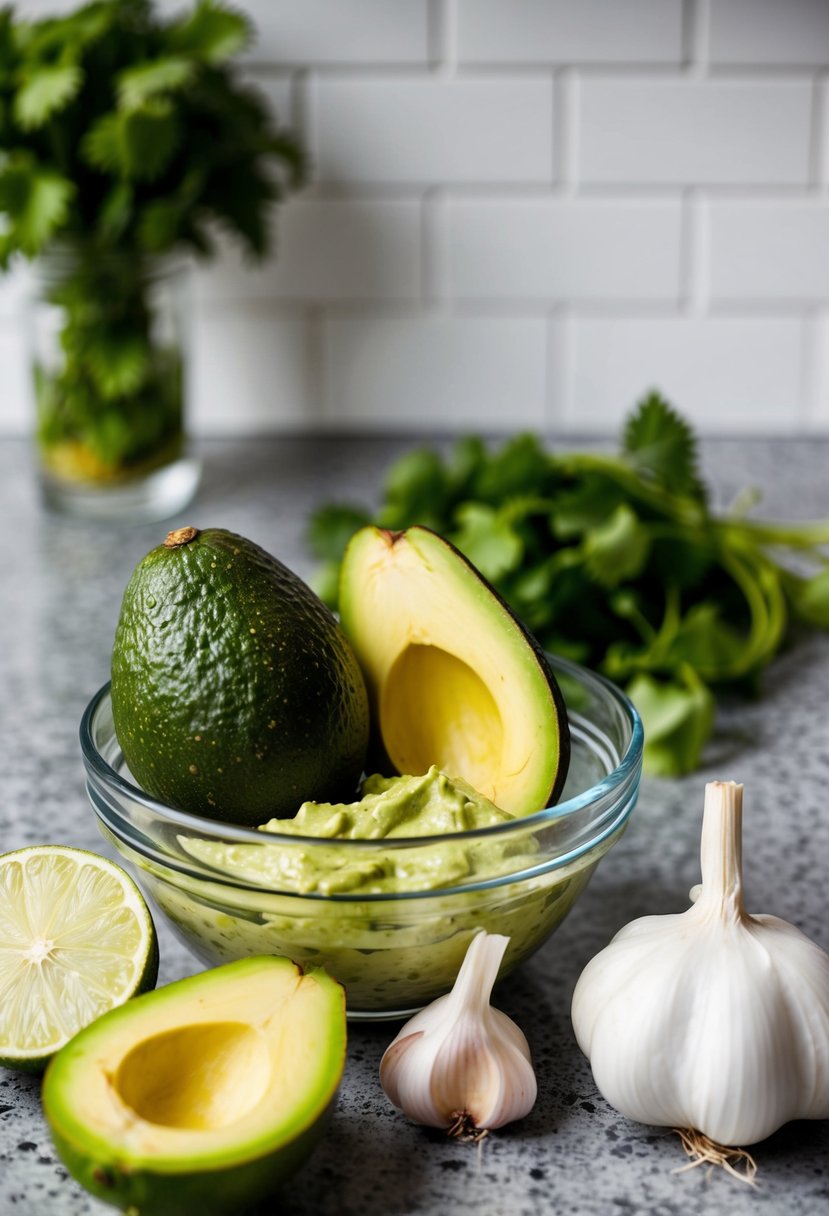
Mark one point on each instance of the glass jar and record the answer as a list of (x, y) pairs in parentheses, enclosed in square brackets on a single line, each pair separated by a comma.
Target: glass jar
[(109, 340)]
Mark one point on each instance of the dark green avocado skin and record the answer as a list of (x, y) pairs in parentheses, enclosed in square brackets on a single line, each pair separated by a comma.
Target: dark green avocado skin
[(235, 694)]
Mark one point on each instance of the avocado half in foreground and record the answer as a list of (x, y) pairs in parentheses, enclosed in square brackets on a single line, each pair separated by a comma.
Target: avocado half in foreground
[(454, 678), (201, 1096)]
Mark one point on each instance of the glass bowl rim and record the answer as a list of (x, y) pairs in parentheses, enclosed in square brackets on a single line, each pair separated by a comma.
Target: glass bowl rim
[(229, 832)]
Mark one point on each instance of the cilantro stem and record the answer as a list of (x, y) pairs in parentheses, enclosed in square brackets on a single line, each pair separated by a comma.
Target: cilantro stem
[(763, 595), (792, 536), (683, 510)]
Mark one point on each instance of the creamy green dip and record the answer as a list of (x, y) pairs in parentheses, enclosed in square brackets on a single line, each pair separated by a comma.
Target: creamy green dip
[(391, 953), (390, 808)]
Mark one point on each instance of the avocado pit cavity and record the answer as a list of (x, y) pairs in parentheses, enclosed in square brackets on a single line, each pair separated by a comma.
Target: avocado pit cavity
[(437, 710), (203, 1076)]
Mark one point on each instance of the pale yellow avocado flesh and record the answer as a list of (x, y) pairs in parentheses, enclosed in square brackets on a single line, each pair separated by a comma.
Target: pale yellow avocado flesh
[(454, 680), (198, 1077), (434, 705), (214, 1069)]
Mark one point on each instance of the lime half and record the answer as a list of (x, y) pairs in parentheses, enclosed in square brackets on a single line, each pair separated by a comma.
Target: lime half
[(76, 939)]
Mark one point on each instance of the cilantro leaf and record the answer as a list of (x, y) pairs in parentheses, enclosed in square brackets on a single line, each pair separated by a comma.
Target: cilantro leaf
[(331, 527), (617, 549), (416, 491), (469, 457), (118, 362), (46, 88), (589, 504), (520, 467), (36, 201), (136, 144), (116, 210), (211, 33), (677, 714), (659, 443), (487, 537), (704, 640), (140, 83), (325, 581), (809, 597)]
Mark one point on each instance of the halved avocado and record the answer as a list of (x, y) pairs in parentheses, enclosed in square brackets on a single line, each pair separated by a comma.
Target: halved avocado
[(454, 678), (201, 1096)]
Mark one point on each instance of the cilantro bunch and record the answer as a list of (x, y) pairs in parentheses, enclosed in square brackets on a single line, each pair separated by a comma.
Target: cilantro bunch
[(124, 130), (614, 561), (125, 136)]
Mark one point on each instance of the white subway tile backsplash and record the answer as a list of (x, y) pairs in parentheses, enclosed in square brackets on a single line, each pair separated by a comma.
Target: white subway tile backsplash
[(251, 372), (561, 31), (822, 166), (769, 251), (16, 400), (523, 212), (311, 31), (278, 91), (727, 374), (15, 287), (34, 10), (433, 130), (791, 33), (819, 419), (695, 132), (564, 249), (437, 372), (328, 250), (340, 31)]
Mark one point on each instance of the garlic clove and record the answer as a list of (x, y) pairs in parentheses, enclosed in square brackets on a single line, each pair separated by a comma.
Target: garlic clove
[(459, 1063)]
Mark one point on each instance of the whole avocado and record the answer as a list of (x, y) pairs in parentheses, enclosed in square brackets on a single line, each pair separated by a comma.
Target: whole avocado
[(235, 694)]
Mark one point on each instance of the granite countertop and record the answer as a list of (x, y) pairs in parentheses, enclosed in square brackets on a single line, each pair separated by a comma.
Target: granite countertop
[(59, 598)]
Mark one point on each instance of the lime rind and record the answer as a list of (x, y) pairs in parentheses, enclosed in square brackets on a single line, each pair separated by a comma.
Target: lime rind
[(76, 940)]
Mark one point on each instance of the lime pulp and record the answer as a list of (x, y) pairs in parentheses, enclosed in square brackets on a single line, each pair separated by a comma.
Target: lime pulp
[(76, 939)]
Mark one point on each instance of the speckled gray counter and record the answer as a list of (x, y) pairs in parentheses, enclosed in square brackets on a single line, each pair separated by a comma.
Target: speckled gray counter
[(60, 588)]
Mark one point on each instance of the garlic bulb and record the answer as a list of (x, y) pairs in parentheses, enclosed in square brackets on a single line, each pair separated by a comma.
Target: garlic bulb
[(713, 1019), (460, 1064)]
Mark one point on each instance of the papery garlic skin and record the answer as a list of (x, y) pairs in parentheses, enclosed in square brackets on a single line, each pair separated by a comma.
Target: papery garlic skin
[(711, 1019), (461, 1057)]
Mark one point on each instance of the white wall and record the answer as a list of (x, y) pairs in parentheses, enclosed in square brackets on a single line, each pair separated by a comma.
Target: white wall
[(525, 213)]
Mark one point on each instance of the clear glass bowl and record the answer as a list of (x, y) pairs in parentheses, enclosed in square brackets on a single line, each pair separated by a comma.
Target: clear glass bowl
[(393, 953)]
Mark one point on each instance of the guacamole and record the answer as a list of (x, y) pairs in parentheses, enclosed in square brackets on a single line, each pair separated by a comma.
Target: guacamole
[(390, 808), (341, 907)]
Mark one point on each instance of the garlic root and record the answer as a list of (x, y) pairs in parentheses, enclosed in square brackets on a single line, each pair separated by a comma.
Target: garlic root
[(703, 1151)]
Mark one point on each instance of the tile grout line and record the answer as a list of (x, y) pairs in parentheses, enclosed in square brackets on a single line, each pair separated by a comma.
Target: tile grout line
[(697, 38), (311, 315), (301, 108), (442, 18), (443, 23), (818, 169)]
